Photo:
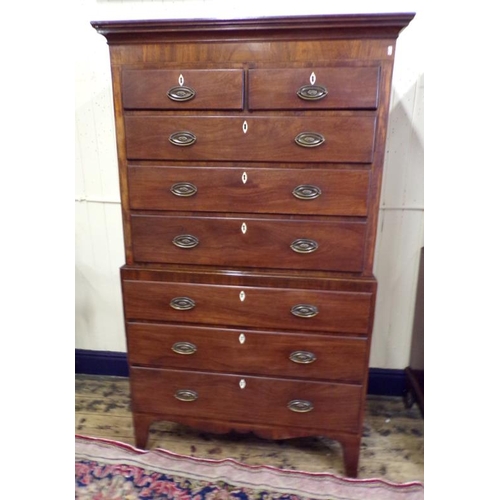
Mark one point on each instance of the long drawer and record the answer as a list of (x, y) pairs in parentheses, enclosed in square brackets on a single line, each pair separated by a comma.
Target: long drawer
[(337, 138), (258, 190), (248, 242), (270, 308), (182, 89), (314, 88), (247, 351), (312, 405)]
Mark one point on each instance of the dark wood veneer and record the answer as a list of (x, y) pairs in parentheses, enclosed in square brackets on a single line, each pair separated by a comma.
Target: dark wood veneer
[(347, 26), (240, 276), (240, 294), (245, 241), (263, 399), (346, 87), (343, 312), (266, 191), (337, 358), (213, 89), (272, 139)]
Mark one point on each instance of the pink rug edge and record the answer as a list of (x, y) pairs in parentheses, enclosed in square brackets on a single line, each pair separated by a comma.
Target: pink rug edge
[(172, 454)]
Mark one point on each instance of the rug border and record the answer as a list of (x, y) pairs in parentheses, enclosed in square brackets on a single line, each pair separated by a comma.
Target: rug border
[(210, 461)]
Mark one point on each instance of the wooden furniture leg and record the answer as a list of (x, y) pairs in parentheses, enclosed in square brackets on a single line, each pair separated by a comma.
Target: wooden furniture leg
[(351, 447), (141, 429)]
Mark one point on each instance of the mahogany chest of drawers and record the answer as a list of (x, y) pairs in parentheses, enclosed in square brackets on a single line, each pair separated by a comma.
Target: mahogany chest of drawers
[(250, 156)]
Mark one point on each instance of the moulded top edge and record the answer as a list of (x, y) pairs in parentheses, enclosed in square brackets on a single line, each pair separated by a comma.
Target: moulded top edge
[(374, 25)]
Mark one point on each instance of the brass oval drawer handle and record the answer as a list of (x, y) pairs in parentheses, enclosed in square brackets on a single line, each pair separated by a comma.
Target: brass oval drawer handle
[(310, 139), (181, 94), (185, 241), (183, 138), (184, 348), (306, 192), (300, 406), (304, 245), (304, 311), (312, 92), (302, 357), (186, 395), (184, 189), (182, 303)]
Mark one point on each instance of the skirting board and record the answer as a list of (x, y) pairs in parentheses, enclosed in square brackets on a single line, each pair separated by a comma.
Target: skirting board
[(381, 381)]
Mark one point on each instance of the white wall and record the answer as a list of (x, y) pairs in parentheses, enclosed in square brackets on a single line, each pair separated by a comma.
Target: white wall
[(99, 241)]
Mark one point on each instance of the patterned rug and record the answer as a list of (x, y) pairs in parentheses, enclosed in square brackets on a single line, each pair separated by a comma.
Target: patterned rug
[(109, 470)]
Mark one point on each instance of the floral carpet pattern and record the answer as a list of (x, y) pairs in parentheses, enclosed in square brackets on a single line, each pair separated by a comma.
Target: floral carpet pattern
[(108, 470), (119, 482)]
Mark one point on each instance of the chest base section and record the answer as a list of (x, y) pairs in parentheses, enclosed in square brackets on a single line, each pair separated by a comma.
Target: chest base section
[(264, 353)]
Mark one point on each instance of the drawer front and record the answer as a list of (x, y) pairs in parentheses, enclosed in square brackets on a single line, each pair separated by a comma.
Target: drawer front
[(246, 399), (318, 88), (279, 243), (250, 138), (182, 89), (268, 308), (247, 351), (258, 190)]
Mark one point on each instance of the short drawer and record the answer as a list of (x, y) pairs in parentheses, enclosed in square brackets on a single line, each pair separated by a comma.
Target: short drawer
[(257, 307), (249, 242), (337, 138), (258, 190), (300, 355), (317, 88), (182, 89), (312, 405)]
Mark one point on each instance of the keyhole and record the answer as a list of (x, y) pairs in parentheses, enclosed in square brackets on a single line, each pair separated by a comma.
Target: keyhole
[(181, 80), (312, 78), (244, 178)]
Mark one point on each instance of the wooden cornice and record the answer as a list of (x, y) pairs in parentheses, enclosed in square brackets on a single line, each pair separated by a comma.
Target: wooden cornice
[(277, 28)]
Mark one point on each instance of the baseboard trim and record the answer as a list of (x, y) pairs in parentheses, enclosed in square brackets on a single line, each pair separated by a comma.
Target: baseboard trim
[(381, 381), (101, 363), (386, 382)]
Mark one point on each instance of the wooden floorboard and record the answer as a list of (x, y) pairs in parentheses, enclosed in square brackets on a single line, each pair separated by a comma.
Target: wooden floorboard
[(392, 446)]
